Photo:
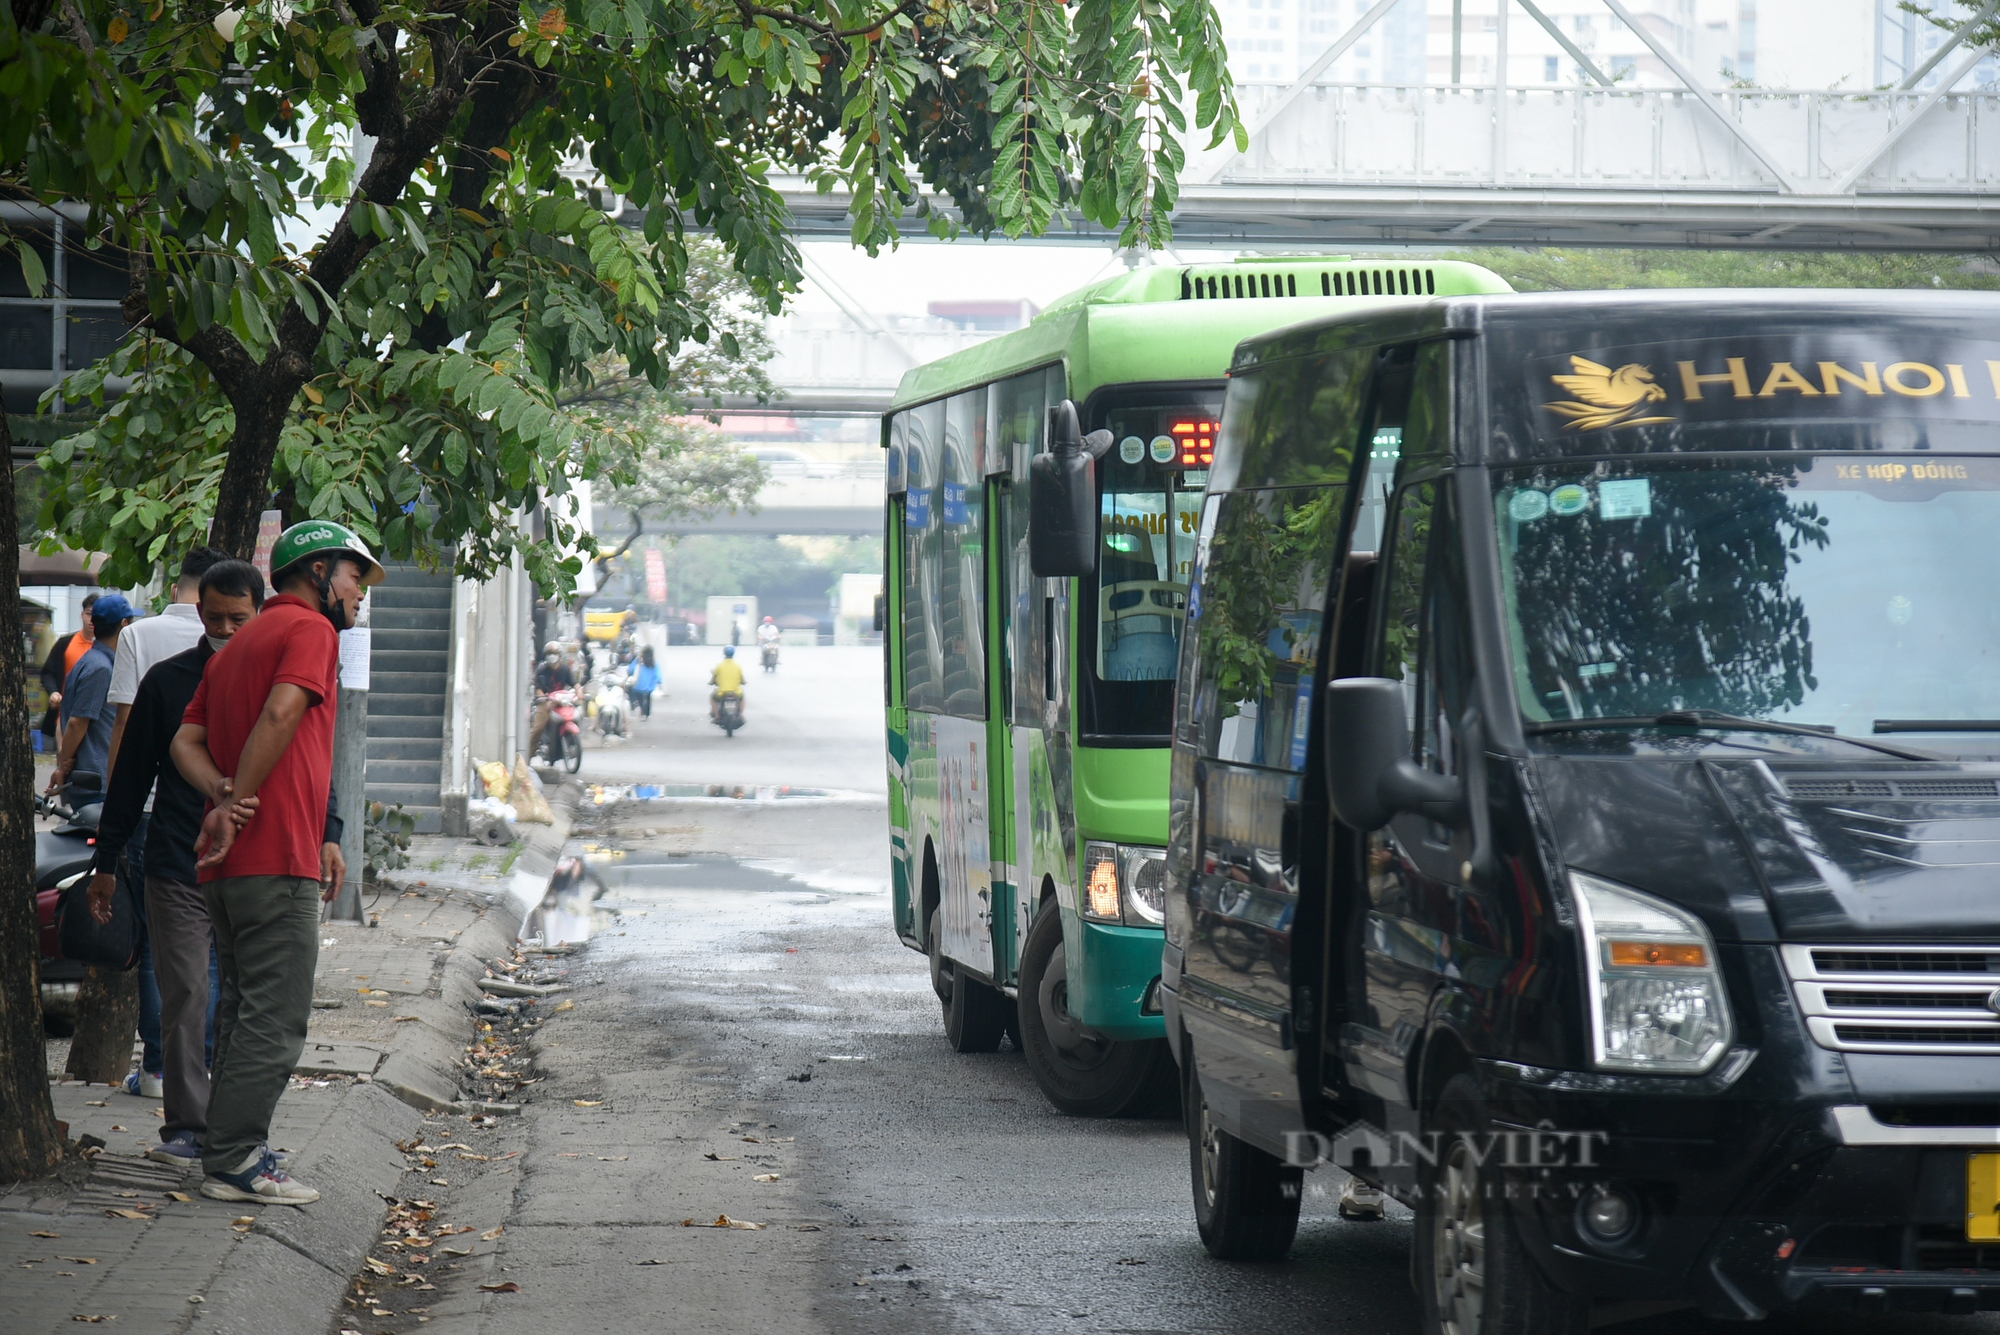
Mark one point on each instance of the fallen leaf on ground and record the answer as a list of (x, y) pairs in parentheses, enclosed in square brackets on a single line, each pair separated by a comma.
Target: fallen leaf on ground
[(722, 1158), (379, 1267), (569, 1156), (589, 1103), (43, 1233), (492, 1233), (243, 1221), (613, 1158), (128, 1214), (566, 1006), (117, 1128), (440, 1182), (404, 1019), (476, 1158), (180, 1196), (809, 1228), (93, 1320), (454, 1145), (80, 1260), (509, 1287), (722, 1221), (94, 1103), (375, 1003), (765, 1177), (454, 1251), (160, 1112)]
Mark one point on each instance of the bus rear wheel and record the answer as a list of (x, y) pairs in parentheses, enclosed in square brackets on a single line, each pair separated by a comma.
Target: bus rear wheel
[(975, 1015), (1079, 1072)]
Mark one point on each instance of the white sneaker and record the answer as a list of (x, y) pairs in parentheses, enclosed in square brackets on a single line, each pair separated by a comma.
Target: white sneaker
[(258, 1178), (1358, 1200), (145, 1085)]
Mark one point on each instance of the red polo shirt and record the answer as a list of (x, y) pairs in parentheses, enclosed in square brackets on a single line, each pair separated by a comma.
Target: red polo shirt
[(289, 641)]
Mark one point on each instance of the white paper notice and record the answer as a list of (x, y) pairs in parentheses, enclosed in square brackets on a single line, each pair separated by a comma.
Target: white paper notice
[(354, 659)]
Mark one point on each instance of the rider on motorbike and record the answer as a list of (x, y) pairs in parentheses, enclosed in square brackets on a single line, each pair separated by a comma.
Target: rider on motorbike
[(727, 678), (551, 675), (768, 632)]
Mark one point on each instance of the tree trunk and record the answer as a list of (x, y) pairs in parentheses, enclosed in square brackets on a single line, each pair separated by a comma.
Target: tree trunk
[(30, 1143), (107, 1019)]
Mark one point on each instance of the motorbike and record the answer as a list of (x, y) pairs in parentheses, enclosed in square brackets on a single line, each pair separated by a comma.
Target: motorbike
[(562, 738), (62, 858), (771, 656), (729, 713), (611, 704)]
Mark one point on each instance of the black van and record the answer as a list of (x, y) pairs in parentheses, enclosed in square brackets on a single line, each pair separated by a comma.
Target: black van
[(1586, 799)]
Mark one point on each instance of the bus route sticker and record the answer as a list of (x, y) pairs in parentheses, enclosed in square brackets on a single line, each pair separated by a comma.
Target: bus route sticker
[(1569, 499), (1131, 449)]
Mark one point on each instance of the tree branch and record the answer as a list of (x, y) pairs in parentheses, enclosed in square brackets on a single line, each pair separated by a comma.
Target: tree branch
[(827, 30)]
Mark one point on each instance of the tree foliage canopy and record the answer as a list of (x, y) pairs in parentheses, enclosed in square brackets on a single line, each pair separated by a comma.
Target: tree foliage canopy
[(407, 335)]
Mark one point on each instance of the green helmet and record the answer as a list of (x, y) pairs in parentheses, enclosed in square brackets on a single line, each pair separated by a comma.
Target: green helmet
[(324, 535)]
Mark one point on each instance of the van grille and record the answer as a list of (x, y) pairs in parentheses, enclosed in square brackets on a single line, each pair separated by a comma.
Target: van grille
[(1898, 998), (1834, 789), (1234, 283)]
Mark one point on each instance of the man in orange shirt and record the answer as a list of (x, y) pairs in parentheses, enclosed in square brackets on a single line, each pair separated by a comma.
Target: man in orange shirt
[(258, 739)]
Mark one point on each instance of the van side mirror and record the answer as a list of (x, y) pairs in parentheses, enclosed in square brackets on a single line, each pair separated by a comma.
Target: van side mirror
[(1370, 776), (1062, 498)]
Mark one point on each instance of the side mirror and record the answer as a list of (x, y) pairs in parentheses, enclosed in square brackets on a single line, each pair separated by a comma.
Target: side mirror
[(1062, 500), (1370, 776)]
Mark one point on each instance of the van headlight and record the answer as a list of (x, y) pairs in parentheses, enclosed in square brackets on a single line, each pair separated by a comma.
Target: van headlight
[(1124, 883), (1656, 998)]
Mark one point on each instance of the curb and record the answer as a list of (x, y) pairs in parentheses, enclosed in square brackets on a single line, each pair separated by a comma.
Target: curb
[(422, 1071), (295, 1265)]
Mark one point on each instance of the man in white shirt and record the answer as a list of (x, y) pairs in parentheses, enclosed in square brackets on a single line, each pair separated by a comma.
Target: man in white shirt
[(143, 644)]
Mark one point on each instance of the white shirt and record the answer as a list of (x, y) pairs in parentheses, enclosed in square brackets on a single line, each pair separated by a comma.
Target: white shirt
[(148, 641)]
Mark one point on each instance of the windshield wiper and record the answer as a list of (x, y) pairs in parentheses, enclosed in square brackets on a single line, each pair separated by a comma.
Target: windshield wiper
[(1937, 725), (1709, 718)]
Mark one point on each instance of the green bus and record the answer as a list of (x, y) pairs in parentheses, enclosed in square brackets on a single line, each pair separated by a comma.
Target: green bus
[(1029, 718)]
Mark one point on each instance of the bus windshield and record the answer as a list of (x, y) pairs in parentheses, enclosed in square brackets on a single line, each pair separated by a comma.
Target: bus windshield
[(1851, 593), (1151, 480)]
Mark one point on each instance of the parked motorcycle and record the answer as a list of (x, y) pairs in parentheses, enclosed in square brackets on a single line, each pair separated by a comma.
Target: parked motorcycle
[(562, 738), (611, 690), (771, 657), (729, 713), (62, 858)]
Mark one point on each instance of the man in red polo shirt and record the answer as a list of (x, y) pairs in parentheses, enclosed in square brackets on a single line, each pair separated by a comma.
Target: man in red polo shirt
[(258, 739)]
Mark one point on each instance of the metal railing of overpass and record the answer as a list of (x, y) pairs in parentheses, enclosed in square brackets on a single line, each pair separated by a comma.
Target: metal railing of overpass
[(802, 499), (1334, 165)]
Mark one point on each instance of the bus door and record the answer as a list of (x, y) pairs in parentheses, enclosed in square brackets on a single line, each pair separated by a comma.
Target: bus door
[(1038, 840)]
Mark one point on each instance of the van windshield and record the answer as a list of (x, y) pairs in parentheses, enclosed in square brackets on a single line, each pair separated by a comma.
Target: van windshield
[(1851, 593)]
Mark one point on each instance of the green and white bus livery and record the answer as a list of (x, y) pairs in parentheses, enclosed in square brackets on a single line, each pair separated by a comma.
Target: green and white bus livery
[(1029, 717)]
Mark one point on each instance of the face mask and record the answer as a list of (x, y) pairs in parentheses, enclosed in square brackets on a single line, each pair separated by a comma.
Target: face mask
[(215, 643)]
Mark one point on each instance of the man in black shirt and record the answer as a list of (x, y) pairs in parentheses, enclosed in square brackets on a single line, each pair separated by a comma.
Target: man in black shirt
[(176, 910), (551, 675)]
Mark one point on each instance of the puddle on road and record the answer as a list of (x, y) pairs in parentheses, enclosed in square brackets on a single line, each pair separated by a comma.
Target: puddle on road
[(606, 794)]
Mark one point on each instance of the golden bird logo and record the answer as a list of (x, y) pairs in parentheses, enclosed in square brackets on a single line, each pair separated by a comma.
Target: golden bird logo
[(1605, 397)]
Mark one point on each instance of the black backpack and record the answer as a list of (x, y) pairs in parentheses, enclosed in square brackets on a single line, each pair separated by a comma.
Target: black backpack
[(111, 945)]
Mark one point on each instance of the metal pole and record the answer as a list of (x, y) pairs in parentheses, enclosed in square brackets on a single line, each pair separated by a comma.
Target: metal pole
[(1457, 40), (350, 781), (350, 762), (1500, 95)]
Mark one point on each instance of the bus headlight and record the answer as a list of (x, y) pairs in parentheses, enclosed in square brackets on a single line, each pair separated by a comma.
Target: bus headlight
[(1145, 886), (1124, 883), (1656, 997)]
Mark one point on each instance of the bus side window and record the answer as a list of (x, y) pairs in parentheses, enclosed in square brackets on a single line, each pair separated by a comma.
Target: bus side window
[(1423, 641)]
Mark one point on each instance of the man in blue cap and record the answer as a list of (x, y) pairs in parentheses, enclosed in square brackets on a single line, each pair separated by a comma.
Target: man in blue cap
[(87, 711)]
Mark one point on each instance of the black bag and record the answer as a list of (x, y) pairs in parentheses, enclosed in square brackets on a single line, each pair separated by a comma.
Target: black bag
[(113, 945)]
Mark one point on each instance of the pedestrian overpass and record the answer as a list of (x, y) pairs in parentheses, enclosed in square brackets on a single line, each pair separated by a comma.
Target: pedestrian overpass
[(1335, 165)]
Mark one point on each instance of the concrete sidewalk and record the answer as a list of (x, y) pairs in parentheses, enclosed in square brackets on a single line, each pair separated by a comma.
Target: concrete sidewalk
[(124, 1240)]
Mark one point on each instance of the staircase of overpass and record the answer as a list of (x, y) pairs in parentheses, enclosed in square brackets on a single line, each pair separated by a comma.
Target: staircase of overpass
[(409, 663)]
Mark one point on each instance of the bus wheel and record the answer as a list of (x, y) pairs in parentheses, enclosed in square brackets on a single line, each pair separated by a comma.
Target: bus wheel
[(1077, 1071), (1246, 1201), (1473, 1275), (975, 1015)]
